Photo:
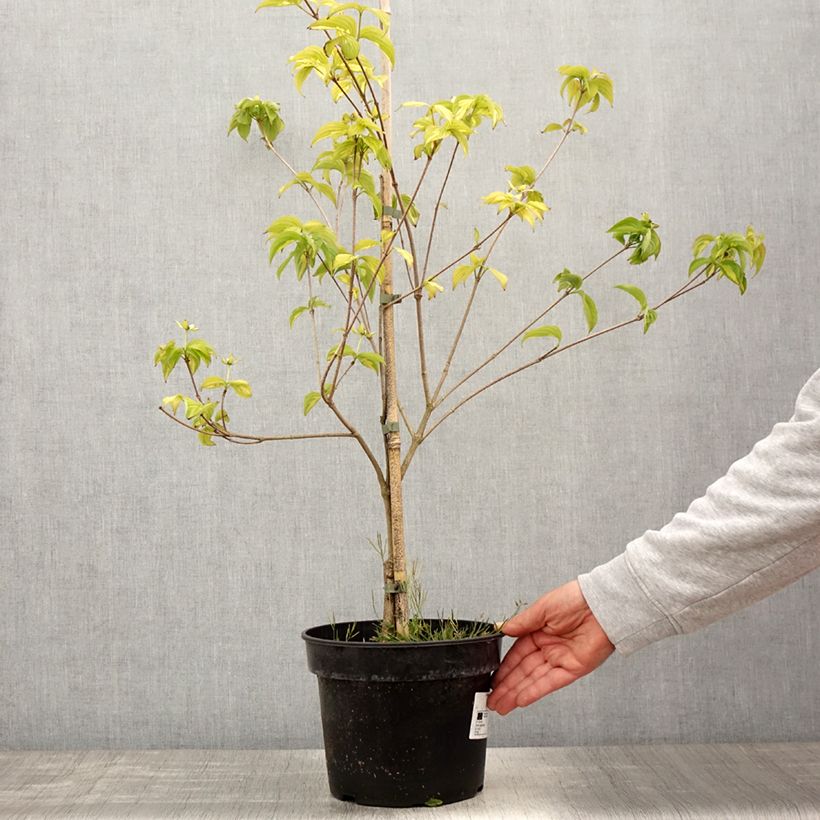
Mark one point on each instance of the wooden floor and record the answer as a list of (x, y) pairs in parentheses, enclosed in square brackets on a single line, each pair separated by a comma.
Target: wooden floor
[(772, 780)]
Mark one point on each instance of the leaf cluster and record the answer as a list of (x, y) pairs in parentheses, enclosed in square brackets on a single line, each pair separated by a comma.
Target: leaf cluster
[(312, 245), (263, 112), (639, 234), (458, 118), (340, 62), (647, 313), (203, 415), (520, 199), (193, 352), (729, 255), (477, 268), (583, 88)]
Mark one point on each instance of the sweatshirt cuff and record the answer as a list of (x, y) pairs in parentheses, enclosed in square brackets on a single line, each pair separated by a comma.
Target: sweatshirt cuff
[(628, 616)]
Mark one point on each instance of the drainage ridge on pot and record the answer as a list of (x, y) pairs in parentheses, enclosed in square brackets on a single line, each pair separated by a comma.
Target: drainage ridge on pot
[(399, 719)]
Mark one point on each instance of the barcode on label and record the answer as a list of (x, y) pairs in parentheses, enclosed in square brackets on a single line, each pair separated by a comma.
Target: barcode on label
[(478, 724)]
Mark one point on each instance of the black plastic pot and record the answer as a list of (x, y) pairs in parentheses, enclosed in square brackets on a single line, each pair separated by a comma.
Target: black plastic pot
[(397, 717)]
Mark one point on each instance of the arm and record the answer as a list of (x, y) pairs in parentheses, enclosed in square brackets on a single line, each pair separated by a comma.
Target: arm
[(755, 530)]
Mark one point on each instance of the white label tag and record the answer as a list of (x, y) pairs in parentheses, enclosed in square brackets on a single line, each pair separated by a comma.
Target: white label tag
[(478, 725)]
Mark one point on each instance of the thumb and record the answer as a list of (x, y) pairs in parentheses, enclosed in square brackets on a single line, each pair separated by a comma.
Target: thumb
[(532, 618)]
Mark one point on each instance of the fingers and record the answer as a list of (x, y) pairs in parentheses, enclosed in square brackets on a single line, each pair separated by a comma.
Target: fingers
[(502, 692), (543, 682), (525, 686), (521, 671), (520, 649)]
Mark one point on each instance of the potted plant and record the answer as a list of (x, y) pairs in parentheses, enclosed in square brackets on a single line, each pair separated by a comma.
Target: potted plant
[(403, 697)]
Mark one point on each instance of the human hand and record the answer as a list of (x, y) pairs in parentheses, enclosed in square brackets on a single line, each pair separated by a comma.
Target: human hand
[(559, 641)]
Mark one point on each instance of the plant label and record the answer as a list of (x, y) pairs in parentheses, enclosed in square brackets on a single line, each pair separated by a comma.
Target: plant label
[(478, 725)]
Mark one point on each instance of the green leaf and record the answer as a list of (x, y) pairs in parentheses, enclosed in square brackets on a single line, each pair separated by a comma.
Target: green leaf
[(193, 408), (377, 36), (698, 263), (201, 347), (603, 85), (206, 440), (627, 226), (310, 402), (758, 247), (545, 330), (296, 313), (574, 71), (161, 351), (364, 244), (432, 288), (370, 360), (194, 359), (277, 4), (408, 205), (348, 351), (404, 254), (212, 382), (521, 174), (461, 273), (241, 388), (701, 243), (170, 361), (174, 401), (342, 260), (567, 280), (636, 293), (336, 22), (590, 310), (553, 126), (502, 279), (649, 318)]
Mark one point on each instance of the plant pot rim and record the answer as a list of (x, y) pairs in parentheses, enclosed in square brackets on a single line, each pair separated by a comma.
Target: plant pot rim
[(397, 645)]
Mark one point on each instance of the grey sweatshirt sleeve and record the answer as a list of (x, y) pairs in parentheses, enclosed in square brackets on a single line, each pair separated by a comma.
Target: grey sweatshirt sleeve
[(755, 530)]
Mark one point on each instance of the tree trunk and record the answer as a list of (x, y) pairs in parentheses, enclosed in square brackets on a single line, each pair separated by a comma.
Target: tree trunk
[(395, 566)]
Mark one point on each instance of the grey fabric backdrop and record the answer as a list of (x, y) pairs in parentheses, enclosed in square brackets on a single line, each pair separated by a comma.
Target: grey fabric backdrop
[(152, 591)]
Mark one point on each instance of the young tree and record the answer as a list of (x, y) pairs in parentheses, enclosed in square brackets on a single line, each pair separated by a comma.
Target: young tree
[(359, 272)]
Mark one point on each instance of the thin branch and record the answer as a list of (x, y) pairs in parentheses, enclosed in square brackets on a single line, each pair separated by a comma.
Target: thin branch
[(303, 185), (314, 331), (339, 355), (567, 132), (358, 436), (425, 379), (501, 225), (449, 360), (345, 372), (339, 205), (560, 349), (493, 356), (435, 214), (315, 15), (405, 419), (255, 439), (464, 255), (375, 279)]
